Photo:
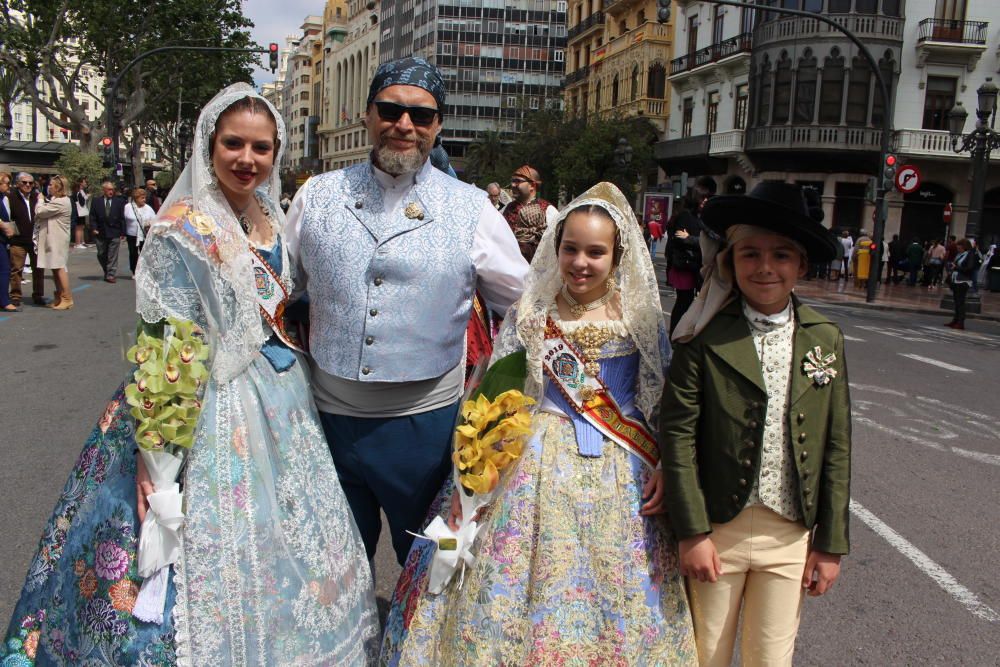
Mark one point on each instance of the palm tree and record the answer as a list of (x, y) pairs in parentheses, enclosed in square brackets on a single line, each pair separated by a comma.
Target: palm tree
[(11, 93)]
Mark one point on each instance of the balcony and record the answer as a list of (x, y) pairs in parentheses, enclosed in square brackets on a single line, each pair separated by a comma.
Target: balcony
[(644, 106), (868, 27), (726, 143), (594, 20), (577, 76), (926, 144), (613, 6), (690, 154), (650, 41), (813, 147), (712, 54), (947, 42)]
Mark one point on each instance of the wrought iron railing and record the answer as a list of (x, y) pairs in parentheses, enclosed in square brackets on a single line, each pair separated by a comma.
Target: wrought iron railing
[(578, 75), (710, 54), (597, 18), (955, 32)]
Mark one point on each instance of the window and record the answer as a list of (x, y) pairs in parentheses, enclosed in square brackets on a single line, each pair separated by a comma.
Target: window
[(938, 101), (718, 22), (831, 94), (558, 56), (656, 85), (805, 88), (950, 10), (887, 66), (712, 116), (445, 48), (492, 27), (635, 82), (614, 91), (813, 6), (533, 103), (763, 115), (858, 92), (692, 35), (782, 89), (687, 117), (839, 6), (742, 99), (865, 6), (511, 101), (891, 7)]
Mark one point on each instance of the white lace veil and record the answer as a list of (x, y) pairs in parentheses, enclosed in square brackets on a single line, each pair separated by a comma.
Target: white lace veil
[(220, 294), (640, 297)]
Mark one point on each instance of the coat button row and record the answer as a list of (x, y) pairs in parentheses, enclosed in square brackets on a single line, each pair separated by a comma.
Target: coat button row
[(802, 437), (801, 417), (803, 456)]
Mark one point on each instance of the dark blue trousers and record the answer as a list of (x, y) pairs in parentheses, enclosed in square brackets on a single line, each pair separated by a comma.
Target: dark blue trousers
[(4, 276), (393, 464)]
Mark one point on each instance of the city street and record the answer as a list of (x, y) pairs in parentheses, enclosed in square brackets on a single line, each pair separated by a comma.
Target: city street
[(919, 588)]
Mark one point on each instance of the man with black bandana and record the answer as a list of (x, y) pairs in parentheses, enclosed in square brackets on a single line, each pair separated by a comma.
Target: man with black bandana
[(391, 252)]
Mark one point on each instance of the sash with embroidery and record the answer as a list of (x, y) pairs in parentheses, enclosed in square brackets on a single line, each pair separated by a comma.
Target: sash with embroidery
[(565, 365), (271, 297)]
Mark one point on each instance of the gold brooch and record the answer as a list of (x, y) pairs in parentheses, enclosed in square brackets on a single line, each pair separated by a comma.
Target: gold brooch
[(413, 210), (587, 393)]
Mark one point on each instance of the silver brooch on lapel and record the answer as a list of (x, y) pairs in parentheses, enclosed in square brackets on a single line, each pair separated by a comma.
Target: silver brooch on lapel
[(413, 210), (819, 366)]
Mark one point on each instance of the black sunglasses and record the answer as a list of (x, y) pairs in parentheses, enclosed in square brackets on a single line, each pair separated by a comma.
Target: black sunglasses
[(392, 112)]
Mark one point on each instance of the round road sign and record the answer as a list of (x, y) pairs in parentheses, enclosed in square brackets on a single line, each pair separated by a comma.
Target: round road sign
[(907, 179)]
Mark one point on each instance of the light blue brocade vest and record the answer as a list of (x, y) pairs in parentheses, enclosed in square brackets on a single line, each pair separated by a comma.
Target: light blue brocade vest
[(389, 295)]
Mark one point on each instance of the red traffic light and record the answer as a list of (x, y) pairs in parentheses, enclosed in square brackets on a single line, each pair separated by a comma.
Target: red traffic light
[(890, 160), (106, 141), (272, 47)]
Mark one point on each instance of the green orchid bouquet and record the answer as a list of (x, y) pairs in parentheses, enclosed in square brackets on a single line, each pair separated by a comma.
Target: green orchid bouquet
[(165, 395)]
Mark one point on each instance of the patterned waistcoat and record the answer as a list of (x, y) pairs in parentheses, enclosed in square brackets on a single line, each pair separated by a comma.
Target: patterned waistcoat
[(390, 294)]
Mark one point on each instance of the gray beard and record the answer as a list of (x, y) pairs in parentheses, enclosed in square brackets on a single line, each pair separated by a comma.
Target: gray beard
[(396, 163)]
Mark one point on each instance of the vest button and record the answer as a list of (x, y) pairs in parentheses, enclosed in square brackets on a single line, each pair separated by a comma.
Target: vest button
[(736, 499), (373, 312), (366, 371), (378, 281), (753, 424), (743, 481), (358, 204), (747, 463), (804, 455), (369, 340), (802, 437)]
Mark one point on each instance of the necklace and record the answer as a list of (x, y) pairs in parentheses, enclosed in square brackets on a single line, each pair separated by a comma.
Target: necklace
[(578, 309), (244, 219)]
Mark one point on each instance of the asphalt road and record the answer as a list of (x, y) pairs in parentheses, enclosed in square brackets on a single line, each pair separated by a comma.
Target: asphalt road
[(919, 588)]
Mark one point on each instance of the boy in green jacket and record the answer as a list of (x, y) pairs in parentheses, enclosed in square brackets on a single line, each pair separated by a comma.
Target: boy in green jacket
[(755, 430)]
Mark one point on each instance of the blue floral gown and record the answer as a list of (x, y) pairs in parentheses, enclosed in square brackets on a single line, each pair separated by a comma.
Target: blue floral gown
[(294, 587), (567, 571)]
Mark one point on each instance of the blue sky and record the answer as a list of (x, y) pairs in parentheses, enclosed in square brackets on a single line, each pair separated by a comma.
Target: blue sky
[(274, 20)]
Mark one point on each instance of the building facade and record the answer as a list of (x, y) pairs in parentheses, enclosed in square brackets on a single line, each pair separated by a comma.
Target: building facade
[(616, 61), (500, 59), (352, 42), (758, 96), (300, 87)]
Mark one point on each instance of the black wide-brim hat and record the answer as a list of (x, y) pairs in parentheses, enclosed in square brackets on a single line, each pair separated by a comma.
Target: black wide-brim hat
[(778, 207)]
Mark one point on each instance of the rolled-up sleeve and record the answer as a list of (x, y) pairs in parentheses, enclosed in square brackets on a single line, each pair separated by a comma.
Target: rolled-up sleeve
[(500, 268)]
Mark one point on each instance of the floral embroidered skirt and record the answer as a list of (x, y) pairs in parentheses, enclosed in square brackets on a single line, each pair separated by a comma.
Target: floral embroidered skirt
[(567, 573)]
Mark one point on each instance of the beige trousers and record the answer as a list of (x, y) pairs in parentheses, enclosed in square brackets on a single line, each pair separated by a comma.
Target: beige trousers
[(763, 557)]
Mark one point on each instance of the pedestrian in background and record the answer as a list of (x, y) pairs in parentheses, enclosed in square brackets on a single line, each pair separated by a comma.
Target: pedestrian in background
[(914, 259), (684, 252), (81, 205), (152, 195), (935, 262), (53, 220), (107, 219), (138, 216), (7, 229), (528, 214), (964, 275), (848, 244), (895, 259), (22, 244), (761, 512)]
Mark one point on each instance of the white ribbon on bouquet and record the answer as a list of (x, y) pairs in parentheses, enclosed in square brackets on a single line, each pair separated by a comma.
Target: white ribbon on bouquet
[(159, 539)]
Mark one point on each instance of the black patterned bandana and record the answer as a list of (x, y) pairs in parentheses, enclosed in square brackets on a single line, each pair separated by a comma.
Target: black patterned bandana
[(409, 72)]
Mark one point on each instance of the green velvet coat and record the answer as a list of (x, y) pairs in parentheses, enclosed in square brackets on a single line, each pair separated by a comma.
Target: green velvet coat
[(712, 427)]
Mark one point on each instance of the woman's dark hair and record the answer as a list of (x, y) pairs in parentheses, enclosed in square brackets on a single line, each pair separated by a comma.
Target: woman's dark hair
[(254, 105), (593, 209)]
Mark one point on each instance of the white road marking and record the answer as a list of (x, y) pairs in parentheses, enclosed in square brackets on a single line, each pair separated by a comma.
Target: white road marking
[(878, 390), (982, 457), (935, 362), (941, 577), (896, 333), (917, 439), (852, 338), (956, 408)]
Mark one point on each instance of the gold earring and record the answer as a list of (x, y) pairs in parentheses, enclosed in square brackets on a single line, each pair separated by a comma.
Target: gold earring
[(610, 283)]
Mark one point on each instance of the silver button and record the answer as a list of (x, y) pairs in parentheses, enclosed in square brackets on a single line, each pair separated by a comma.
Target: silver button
[(366, 371), (373, 312), (378, 281), (369, 340), (358, 204)]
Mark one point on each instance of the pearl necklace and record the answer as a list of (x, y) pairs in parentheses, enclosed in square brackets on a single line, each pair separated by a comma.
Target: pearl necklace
[(578, 309)]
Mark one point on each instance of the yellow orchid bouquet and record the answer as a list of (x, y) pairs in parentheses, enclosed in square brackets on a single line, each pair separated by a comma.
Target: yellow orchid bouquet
[(491, 438), (493, 428)]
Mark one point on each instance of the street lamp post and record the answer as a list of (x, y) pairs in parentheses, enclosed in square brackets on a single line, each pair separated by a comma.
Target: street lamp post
[(183, 137), (980, 142)]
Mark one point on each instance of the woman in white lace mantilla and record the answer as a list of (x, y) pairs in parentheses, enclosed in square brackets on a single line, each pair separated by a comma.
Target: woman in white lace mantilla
[(271, 569), (575, 563)]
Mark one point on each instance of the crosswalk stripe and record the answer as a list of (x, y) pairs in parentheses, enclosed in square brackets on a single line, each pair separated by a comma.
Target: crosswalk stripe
[(853, 339), (935, 362)]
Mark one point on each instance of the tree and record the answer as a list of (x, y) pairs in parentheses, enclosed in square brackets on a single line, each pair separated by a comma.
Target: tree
[(62, 52), (75, 164), (488, 159), (10, 94)]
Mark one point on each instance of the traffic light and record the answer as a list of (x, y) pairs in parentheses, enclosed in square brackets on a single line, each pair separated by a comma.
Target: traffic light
[(272, 52), (106, 149), (889, 172), (871, 191), (663, 10)]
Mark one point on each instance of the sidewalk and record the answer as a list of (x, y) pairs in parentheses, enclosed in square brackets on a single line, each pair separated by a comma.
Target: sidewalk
[(901, 297)]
